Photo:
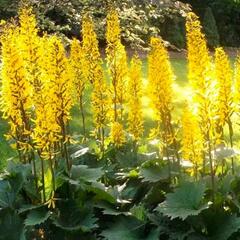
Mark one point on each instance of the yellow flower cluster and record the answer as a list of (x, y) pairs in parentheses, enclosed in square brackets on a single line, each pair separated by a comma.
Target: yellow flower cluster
[(237, 83), (198, 57), (200, 76), (135, 115), (100, 101), (203, 84), (59, 83), (113, 34), (30, 46), (160, 78), (16, 91), (117, 64), (224, 78), (77, 64), (90, 49), (46, 131), (117, 135), (78, 74), (192, 139)]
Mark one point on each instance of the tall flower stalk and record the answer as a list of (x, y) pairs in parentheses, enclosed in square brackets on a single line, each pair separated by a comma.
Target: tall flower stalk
[(224, 76), (16, 99), (59, 87), (78, 65), (117, 65), (31, 51), (161, 78), (134, 99), (100, 106), (192, 140), (202, 83), (90, 48)]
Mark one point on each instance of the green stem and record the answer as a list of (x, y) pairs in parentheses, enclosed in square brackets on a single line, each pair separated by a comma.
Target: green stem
[(135, 149), (102, 142), (52, 173), (230, 128), (83, 116), (43, 177), (34, 170), (211, 168)]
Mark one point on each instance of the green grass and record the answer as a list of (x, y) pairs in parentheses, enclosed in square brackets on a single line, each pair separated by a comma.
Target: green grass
[(179, 67)]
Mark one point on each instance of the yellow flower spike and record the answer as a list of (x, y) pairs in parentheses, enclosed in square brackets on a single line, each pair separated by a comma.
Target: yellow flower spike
[(203, 84), (135, 115), (58, 78), (225, 97), (113, 28), (54, 112), (224, 78), (16, 102), (192, 139), (90, 49), (199, 61), (117, 65), (160, 78), (117, 135), (237, 83), (59, 86), (77, 68), (29, 43), (100, 104), (201, 74)]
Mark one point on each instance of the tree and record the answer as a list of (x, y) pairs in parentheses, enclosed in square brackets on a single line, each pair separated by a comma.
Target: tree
[(139, 19), (210, 28)]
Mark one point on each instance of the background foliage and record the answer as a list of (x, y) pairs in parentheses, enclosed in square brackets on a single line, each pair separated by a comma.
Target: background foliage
[(140, 19)]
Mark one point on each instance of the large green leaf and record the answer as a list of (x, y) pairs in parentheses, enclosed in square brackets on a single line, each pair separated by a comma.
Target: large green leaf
[(153, 235), (124, 228), (102, 193), (16, 182), (109, 209), (74, 217), (28, 207), (82, 172), (184, 202), (152, 171), (175, 229), (15, 168), (139, 212), (11, 226), (222, 226), (37, 216), (7, 196)]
